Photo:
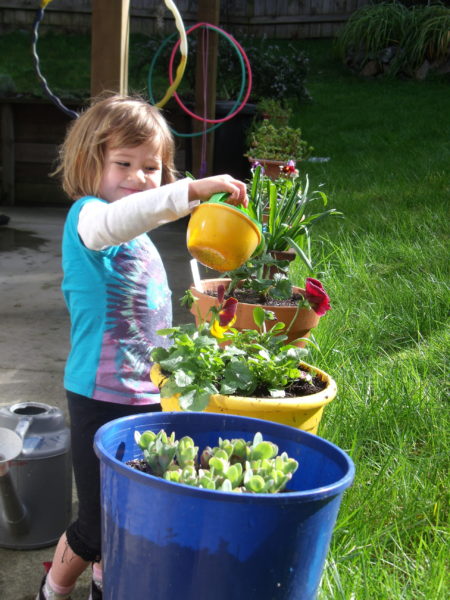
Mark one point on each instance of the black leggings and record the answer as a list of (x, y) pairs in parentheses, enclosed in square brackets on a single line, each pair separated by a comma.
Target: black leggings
[(86, 416)]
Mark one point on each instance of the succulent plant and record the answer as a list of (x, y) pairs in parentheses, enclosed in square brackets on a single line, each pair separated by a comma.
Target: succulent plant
[(232, 466)]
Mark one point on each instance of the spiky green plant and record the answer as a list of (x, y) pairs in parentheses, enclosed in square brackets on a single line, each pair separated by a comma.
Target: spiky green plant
[(411, 35), (372, 28), (427, 36)]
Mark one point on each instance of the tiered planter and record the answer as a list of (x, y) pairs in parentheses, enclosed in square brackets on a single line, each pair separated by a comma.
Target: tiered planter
[(303, 412), (306, 319)]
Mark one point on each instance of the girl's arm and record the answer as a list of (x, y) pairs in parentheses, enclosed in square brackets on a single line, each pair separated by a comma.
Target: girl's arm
[(203, 189), (104, 224)]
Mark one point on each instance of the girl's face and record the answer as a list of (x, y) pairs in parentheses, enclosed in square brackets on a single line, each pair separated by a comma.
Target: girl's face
[(130, 170)]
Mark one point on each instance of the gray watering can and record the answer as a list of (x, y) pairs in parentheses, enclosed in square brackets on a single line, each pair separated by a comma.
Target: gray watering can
[(35, 475)]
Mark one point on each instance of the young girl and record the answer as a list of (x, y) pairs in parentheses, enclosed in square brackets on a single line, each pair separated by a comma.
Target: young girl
[(117, 162)]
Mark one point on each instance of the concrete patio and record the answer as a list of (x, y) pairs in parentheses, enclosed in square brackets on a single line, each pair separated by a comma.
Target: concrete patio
[(34, 341)]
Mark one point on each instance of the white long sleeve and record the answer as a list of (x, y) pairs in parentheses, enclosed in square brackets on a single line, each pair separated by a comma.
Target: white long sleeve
[(104, 224)]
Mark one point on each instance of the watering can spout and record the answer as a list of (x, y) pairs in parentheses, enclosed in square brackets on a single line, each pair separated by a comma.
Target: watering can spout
[(14, 511)]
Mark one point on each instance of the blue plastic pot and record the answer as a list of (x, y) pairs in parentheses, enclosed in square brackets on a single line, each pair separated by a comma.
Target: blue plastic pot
[(168, 541)]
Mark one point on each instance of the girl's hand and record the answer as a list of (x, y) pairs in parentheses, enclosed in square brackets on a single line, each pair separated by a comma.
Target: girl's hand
[(203, 189)]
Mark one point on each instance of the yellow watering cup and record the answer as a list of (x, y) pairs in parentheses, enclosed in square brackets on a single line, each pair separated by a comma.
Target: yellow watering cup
[(221, 236)]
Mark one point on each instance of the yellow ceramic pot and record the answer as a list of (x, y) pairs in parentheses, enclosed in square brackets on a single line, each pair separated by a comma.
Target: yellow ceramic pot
[(221, 236), (303, 412)]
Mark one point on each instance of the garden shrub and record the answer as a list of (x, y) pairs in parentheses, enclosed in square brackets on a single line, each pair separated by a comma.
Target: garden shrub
[(396, 39)]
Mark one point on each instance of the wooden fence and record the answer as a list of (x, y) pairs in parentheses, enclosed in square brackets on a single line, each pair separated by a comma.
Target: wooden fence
[(285, 19)]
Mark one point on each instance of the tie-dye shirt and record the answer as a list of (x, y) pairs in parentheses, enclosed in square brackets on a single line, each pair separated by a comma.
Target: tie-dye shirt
[(118, 297)]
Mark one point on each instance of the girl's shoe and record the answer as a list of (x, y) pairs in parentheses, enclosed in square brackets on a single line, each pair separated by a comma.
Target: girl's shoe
[(45, 594), (96, 592), (41, 595)]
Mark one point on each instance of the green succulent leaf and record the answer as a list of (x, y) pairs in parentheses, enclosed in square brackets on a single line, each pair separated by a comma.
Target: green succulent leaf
[(147, 438), (219, 465), (263, 450), (255, 484), (240, 449), (206, 483), (174, 476), (234, 474), (226, 486)]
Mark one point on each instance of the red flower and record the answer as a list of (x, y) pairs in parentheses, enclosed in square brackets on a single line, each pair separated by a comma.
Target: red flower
[(289, 169), (317, 296), (227, 317), (228, 312), (220, 292)]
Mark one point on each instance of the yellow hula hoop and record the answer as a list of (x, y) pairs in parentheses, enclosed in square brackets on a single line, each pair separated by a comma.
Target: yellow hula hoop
[(183, 49)]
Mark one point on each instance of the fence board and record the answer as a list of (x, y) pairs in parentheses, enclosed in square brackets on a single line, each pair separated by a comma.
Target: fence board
[(8, 159), (36, 153), (274, 18)]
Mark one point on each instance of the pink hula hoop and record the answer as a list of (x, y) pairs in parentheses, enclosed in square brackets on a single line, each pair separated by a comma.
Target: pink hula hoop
[(247, 65)]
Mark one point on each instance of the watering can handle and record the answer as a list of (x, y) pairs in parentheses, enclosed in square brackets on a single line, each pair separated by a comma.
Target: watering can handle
[(23, 426), (219, 197)]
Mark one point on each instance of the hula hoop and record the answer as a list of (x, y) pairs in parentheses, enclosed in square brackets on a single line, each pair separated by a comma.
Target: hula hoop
[(182, 42), (247, 64), (34, 38), (233, 108)]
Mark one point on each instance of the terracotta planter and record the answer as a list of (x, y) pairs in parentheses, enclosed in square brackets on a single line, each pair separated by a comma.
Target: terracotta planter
[(304, 412), (306, 320), (272, 168)]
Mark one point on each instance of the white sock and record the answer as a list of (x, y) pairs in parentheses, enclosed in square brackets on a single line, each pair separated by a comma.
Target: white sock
[(53, 591), (97, 575)]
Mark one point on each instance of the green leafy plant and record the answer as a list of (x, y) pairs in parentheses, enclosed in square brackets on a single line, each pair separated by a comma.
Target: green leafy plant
[(234, 465), (279, 69), (282, 143), (255, 275), (286, 209), (252, 362), (274, 111)]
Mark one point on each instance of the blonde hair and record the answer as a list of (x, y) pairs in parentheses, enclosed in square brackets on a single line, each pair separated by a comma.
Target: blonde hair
[(113, 121)]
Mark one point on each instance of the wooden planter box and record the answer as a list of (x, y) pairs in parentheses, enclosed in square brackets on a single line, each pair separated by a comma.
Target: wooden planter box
[(31, 131)]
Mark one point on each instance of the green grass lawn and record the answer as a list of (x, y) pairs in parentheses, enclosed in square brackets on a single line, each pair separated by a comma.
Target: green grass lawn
[(385, 266), (65, 63)]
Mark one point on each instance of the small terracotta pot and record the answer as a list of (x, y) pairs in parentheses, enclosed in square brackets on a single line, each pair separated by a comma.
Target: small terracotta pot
[(306, 320), (272, 168), (303, 412), (288, 255)]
